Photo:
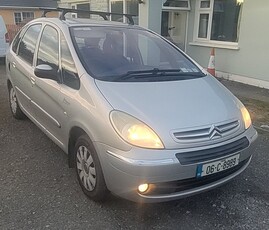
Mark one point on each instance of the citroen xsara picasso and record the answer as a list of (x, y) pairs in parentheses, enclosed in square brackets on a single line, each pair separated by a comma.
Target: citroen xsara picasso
[(136, 116)]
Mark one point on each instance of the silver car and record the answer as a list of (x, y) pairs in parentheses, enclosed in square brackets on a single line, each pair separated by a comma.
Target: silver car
[(135, 115)]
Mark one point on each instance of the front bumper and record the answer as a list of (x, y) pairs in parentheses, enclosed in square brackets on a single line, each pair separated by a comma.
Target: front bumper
[(169, 179)]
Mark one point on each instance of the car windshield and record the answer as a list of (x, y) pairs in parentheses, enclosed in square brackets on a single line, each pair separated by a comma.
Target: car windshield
[(130, 54)]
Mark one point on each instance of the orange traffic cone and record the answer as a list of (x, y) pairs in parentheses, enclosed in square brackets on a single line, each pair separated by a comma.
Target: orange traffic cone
[(211, 64)]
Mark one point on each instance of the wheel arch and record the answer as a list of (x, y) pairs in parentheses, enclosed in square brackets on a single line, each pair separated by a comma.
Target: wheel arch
[(74, 134)]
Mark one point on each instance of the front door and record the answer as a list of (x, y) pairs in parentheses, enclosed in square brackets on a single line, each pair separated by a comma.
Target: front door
[(174, 27), (46, 99)]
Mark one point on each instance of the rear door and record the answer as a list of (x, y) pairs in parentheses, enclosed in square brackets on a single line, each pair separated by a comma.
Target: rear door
[(21, 65)]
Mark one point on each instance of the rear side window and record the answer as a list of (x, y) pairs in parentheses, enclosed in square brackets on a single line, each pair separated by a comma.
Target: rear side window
[(48, 52), (17, 40), (28, 43)]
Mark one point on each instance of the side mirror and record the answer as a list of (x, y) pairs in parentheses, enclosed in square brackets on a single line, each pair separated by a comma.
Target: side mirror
[(46, 71)]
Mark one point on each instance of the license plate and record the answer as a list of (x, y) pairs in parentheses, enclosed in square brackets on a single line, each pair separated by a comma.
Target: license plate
[(217, 166)]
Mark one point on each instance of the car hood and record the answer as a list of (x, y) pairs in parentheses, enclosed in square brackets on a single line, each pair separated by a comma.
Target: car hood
[(173, 105)]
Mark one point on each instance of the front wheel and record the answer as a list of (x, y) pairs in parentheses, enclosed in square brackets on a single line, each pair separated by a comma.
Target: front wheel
[(14, 104), (89, 171)]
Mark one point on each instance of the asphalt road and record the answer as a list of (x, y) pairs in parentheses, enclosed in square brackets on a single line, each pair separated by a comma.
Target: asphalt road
[(39, 191)]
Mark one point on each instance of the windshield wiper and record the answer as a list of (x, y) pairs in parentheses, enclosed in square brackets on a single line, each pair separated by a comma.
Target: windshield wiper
[(159, 73), (147, 73)]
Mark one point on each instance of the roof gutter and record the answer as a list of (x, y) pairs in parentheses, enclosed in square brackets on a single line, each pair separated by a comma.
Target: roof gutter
[(18, 7)]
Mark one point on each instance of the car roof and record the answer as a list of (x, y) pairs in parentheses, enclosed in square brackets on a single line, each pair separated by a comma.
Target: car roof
[(71, 22)]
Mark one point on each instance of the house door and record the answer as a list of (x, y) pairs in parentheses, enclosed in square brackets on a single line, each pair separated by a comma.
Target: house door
[(173, 28)]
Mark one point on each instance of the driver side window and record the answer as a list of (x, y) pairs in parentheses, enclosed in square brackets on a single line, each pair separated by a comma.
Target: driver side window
[(48, 51)]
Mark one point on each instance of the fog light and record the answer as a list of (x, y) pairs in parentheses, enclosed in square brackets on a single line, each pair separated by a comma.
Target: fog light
[(143, 188)]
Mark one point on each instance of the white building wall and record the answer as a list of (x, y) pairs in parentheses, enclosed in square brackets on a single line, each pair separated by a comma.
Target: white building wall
[(150, 13), (95, 5), (99, 5)]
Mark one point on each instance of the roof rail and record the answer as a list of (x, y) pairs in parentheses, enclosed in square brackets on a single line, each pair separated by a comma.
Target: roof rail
[(104, 15)]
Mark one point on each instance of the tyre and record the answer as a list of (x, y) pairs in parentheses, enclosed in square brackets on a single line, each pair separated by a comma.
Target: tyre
[(14, 105), (89, 171)]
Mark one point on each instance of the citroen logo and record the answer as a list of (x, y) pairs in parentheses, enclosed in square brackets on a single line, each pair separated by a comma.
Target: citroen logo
[(214, 132)]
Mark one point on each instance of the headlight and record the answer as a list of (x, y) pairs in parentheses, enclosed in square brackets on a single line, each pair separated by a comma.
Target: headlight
[(246, 117), (134, 131)]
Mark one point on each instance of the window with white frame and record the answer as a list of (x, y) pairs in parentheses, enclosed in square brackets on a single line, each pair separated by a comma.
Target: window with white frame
[(124, 7), (81, 6), (217, 20), (23, 17), (176, 4)]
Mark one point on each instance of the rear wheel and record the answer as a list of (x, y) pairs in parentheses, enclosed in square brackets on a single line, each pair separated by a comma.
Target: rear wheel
[(89, 171), (14, 105)]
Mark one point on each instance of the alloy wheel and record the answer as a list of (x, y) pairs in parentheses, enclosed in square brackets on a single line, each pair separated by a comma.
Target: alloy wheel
[(86, 168), (13, 101)]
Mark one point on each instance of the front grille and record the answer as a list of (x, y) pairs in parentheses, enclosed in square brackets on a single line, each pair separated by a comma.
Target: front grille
[(192, 183), (193, 157), (207, 133)]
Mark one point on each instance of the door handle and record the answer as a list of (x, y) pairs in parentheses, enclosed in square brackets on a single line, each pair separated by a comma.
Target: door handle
[(14, 64), (32, 80)]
